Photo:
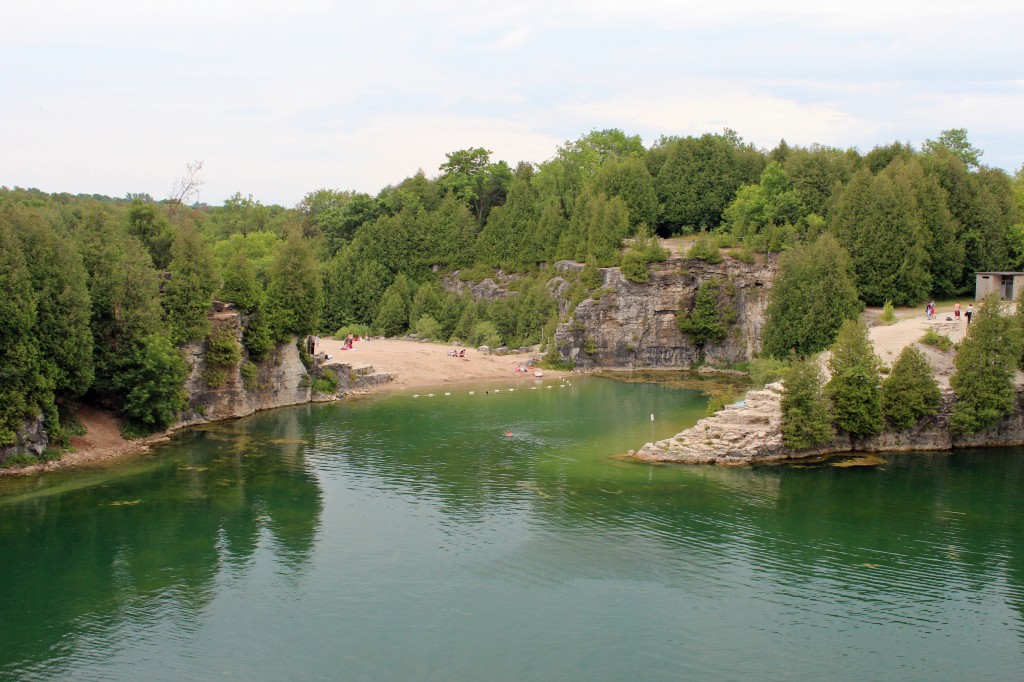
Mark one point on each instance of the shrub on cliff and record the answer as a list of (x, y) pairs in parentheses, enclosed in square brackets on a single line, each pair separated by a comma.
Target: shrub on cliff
[(986, 366), (634, 267), (805, 408), (814, 293), (854, 386), (910, 392), (711, 315), (706, 250)]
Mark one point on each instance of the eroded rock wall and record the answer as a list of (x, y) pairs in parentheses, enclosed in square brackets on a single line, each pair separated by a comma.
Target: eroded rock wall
[(280, 380), (630, 325)]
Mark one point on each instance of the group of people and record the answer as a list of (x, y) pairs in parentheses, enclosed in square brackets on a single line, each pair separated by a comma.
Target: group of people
[(457, 353), (929, 311), (348, 343)]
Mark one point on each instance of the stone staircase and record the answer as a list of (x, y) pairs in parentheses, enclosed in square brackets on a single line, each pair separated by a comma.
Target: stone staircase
[(354, 378), (733, 435)]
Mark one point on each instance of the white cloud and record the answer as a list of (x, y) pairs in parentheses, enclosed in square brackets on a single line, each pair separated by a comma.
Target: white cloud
[(280, 99)]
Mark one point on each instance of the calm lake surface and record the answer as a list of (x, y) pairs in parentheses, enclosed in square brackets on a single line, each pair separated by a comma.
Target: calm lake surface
[(401, 538)]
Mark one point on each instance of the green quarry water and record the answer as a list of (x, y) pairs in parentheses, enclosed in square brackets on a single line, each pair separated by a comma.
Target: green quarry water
[(401, 538)]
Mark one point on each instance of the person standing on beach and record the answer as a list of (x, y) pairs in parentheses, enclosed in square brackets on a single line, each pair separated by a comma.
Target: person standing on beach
[(969, 312), (956, 311)]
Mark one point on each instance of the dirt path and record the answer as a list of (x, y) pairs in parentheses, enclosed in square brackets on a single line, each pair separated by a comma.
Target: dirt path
[(102, 441)]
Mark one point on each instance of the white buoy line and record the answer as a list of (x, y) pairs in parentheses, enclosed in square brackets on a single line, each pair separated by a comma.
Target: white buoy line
[(496, 390)]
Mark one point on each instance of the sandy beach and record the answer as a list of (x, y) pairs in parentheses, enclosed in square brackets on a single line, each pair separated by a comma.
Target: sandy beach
[(417, 365)]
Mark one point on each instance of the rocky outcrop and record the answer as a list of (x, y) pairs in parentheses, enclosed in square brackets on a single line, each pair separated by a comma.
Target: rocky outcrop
[(278, 381), (628, 325), (488, 289), (30, 439), (749, 432)]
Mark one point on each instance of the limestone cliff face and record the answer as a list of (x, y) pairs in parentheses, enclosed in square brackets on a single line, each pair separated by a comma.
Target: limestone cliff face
[(279, 380), (631, 325)]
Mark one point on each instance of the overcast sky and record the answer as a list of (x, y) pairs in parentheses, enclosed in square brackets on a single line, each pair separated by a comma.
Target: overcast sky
[(282, 98)]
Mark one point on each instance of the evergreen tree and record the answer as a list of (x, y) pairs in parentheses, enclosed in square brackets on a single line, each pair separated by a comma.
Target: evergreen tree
[(393, 317), (62, 334), (877, 220), (986, 366), (712, 313), (192, 281), (854, 386), (505, 240), (148, 224), (805, 409), (910, 392), (696, 178), (814, 293), (153, 384), (426, 302), (629, 180), (241, 286), (295, 290), (22, 382)]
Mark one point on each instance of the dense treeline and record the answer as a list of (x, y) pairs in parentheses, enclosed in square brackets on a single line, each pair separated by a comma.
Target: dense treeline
[(99, 292)]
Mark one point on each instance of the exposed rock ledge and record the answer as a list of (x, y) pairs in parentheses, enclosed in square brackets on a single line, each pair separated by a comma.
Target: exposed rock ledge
[(749, 432)]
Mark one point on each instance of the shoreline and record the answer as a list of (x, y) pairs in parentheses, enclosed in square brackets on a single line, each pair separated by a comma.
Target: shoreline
[(415, 365)]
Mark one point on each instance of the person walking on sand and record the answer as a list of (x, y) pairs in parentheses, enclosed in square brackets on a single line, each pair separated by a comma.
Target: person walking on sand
[(956, 311), (969, 312)]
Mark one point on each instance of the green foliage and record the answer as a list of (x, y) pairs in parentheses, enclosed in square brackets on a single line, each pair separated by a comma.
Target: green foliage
[(814, 293), (359, 330), (955, 141), (910, 392), (22, 382), (484, 333), (327, 383), (590, 276), (148, 223), (295, 290), (744, 255), (393, 317), (634, 267), (986, 365), (427, 327), (766, 370), (257, 337), (880, 223), (888, 315), (153, 384), (940, 341), (854, 386), (805, 409), (704, 249), (241, 286), (222, 354), (712, 312), (250, 375), (695, 179), (189, 290), (717, 400), (22, 459)]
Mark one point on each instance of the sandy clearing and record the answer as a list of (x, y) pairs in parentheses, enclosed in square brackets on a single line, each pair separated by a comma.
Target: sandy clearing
[(417, 365)]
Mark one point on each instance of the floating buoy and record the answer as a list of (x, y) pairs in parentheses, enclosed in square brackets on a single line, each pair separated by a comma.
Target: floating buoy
[(447, 393), (508, 434), (511, 389), (430, 395), (472, 392), (548, 387), (416, 395)]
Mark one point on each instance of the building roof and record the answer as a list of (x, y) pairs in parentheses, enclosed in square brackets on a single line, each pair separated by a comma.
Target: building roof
[(999, 273)]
